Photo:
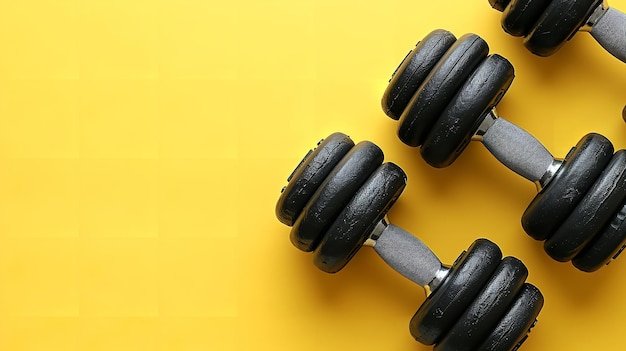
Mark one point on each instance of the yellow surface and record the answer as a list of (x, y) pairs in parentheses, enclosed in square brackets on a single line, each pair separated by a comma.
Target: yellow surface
[(143, 145)]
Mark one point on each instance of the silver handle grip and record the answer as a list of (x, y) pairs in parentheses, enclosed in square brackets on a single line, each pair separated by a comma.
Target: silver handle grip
[(409, 256), (518, 150), (610, 32)]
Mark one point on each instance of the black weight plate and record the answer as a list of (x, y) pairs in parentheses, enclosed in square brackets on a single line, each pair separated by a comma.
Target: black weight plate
[(605, 247), (334, 194), (413, 69), (594, 211), (519, 16), (554, 203), (467, 277), (557, 24), (499, 5), (487, 309), (461, 118), (514, 326), (309, 174), (359, 217), (439, 87)]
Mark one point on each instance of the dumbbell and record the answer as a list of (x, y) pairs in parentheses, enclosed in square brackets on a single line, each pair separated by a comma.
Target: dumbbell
[(444, 95), (336, 201), (547, 25)]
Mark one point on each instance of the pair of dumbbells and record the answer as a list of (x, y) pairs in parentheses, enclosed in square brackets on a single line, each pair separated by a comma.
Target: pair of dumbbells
[(336, 201), (548, 25), (444, 95)]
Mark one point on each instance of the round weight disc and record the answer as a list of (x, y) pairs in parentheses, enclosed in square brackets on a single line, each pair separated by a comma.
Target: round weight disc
[(557, 24), (512, 330), (605, 246), (359, 217), (309, 174), (519, 16), (487, 309), (499, 5), (413, 70), (467, 277), (609, 241), (334, 194), (554, 203), (594, 211), (439, 87), (467, 109)]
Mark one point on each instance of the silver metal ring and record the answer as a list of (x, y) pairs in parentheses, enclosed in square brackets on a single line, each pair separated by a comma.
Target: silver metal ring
[(440, 276), (595, 16), (376, 232), (489, 120), (549, 174)]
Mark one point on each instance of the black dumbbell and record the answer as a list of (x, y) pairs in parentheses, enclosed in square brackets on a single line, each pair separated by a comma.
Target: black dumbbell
[(336, 202), (444, 93), (547, 25)]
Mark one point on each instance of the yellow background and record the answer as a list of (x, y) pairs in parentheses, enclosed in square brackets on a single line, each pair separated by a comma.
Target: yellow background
[(143, 145)]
